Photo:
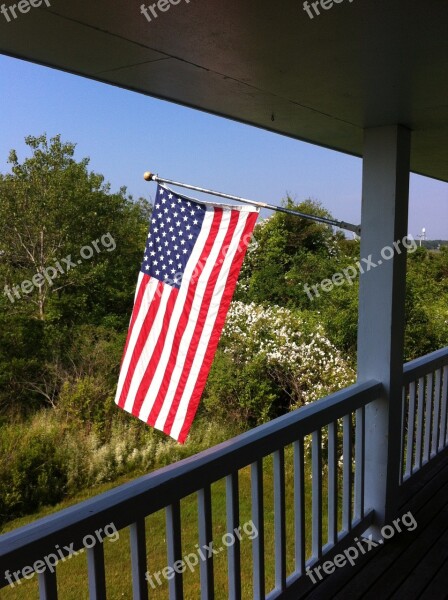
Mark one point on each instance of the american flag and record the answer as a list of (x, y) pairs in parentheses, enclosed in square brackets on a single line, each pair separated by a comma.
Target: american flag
[(191, 264)]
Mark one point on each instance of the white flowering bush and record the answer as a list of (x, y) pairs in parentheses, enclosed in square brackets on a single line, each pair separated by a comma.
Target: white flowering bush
[(271, 360)]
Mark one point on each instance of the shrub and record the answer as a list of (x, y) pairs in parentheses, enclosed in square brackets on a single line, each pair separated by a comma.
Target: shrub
[(32, 471), (272, 359), (87, 402), (44, 460)]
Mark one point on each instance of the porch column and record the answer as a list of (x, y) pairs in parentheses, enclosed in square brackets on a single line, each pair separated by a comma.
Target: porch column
[(385, 196)]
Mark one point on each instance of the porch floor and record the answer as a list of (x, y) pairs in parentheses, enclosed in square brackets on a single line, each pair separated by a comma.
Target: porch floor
[(410, 566)]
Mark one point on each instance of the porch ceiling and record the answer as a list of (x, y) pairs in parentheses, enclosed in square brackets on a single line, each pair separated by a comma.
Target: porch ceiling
[(359, 64)]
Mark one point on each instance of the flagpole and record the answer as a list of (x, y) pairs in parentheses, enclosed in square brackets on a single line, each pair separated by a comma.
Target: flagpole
[(148, 176)]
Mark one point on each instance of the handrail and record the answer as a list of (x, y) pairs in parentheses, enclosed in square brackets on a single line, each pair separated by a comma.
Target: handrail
[(150, 493), (424, 424), (419, 367)]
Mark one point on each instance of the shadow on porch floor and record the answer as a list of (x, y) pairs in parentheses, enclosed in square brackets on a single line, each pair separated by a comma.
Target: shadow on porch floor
[(412, 565)]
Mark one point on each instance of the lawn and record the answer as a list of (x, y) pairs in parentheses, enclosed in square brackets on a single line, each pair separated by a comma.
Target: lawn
[(72, 574)]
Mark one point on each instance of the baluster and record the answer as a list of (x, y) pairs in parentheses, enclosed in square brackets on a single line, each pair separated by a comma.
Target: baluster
[(258, 521), (233, 522), (360, 461), (97, 576), (299, 501), (347, 474), (174, 548), (280, 519), (48, 588), (316, 466), (205, 539), (138, 560)]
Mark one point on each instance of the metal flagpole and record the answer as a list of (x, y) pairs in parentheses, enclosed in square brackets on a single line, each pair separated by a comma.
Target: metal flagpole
[(295, 213)]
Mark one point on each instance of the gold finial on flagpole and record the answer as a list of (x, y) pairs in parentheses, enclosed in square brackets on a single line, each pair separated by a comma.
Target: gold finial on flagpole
[(148, 176)]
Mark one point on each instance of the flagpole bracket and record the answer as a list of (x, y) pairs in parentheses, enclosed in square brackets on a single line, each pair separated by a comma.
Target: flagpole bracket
[(350, 227)]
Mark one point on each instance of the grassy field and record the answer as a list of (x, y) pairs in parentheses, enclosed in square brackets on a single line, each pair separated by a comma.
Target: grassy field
[(72, 574)]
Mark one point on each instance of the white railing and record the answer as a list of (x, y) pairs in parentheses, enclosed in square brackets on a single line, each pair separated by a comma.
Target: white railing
[(424, 433), (317, 457), (324, 441)]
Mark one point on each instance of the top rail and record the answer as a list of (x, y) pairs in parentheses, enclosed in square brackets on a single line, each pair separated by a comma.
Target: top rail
[(150, 493), (423, 365)]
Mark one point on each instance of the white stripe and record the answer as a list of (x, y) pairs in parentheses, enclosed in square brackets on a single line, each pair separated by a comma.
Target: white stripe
[(192, 321), (176, 316), (148, 348), (208, 328), (139, 280), (146, 301)]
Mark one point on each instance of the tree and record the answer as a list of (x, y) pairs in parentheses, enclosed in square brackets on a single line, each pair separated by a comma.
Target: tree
[(70, 252), (291, 251), (51, 208)]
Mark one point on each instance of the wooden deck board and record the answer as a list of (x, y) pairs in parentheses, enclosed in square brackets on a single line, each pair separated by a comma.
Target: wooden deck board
[(438, 587), (412, 565), (420, 578)]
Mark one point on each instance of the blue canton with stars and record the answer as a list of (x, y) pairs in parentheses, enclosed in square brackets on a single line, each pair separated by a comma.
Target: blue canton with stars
[(175, 226)]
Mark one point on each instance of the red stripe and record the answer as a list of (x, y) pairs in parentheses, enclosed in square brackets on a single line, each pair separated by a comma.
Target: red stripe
[(219, 324), (141, 290), (185, 316), (143, 387), (140, 344), (200, 323)]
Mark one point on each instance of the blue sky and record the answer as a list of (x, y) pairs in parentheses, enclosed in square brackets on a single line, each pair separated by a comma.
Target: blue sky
[(125, 134)]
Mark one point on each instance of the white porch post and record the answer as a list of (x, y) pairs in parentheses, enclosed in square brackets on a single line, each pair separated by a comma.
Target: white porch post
[(381, 306)]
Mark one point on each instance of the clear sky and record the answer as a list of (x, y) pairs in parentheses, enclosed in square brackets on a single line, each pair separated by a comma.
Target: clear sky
[(125, 134)]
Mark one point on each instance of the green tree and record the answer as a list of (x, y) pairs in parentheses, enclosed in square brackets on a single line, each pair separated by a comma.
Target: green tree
[(426, 302), (51, 207), (77, 246), (290, 252)]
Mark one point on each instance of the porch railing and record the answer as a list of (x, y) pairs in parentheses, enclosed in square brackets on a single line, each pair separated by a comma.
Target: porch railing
[(424, 434), (329, 433), (317, 456)]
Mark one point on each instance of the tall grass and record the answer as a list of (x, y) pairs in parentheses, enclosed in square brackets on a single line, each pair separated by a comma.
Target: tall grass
[(47, 459)]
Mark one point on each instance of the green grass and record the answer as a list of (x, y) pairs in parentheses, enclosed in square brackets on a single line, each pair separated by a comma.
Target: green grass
[(72, 574)]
